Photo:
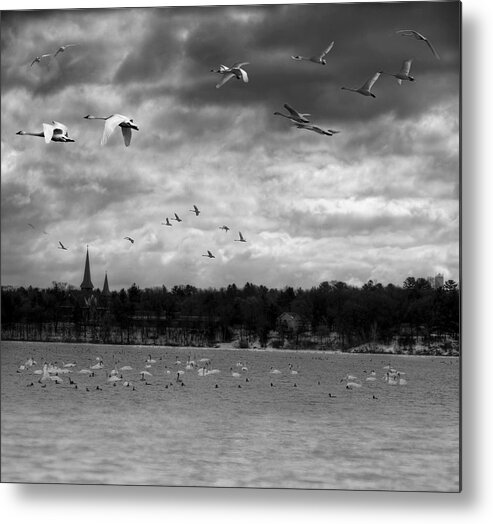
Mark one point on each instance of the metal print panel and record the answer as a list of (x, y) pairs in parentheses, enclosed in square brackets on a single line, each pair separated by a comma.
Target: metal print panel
[(230, 246)]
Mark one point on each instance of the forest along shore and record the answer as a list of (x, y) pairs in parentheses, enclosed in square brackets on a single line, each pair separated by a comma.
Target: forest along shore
[(412, 319)]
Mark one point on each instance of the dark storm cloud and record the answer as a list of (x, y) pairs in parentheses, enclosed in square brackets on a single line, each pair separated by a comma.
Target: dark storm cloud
[(363, 45), (345, 224), (389, 178)]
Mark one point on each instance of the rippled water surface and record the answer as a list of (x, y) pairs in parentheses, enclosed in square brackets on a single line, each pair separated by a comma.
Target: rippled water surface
[(276, 430)]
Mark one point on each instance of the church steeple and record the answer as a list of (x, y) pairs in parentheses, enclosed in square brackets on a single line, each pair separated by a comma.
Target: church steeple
[(106, 288), (86, 282)]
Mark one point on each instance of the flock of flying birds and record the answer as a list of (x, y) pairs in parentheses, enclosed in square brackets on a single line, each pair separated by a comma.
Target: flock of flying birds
[(58, 132)]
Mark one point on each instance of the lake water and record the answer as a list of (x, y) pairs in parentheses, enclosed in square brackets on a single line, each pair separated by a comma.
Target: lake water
[(266, 433)]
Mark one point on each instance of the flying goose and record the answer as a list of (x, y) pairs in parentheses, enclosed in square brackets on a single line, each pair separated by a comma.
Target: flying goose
[(316, 59), (411, 33), (38, 59), (365, 89), (241, 239), (61, 246), (294, 115), (167, 223), (316, 129), (177, 218), (231, 72), (54, 132), (225, 228), (111, 122), (62, 48), (209, 255), (195, 210), (131, 240), (403, 74)]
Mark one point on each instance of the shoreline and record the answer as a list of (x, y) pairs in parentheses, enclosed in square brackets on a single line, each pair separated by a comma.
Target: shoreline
[(229, 347)]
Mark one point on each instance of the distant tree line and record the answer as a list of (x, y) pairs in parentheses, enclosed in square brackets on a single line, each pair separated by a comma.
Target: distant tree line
[(371, 313)]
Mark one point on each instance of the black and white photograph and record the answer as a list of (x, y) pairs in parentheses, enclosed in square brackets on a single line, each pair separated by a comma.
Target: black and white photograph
[(231, 246)]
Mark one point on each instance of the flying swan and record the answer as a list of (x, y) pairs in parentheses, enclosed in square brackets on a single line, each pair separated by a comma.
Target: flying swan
[(316, 59), (111, 122), (235, 71)]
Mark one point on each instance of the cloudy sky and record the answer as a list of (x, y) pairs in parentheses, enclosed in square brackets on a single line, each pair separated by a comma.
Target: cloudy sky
[(379, 200)]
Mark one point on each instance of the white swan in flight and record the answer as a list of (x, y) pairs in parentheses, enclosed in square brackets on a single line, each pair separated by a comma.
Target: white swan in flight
[(38, 59), (62, 48), (209, 255), (316, 59), (195, 210), (241, 239), (54, 132), (365, 89), (403, 74), (294, 115), (111, 123), (235, 71), (411, 33), (316, 129)]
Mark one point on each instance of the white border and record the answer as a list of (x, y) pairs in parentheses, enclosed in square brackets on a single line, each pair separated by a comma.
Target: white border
[(86, 504)]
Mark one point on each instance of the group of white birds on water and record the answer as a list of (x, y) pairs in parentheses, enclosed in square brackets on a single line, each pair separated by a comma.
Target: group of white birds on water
[(392, 377), (53, 372)]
